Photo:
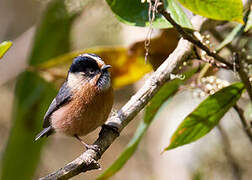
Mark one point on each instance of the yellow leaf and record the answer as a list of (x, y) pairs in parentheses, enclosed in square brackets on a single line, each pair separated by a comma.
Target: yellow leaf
[(126, 68), (4, 46), (128, 65)]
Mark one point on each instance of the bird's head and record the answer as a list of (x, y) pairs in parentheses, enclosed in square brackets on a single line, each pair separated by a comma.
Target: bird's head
[(89, 68)]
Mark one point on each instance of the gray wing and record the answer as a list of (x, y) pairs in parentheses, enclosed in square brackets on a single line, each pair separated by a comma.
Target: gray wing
[(64, 96)]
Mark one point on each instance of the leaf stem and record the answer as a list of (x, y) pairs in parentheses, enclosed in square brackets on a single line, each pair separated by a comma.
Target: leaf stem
[(203, 72)]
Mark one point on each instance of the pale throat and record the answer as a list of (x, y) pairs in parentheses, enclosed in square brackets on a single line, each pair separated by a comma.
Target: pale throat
[(76, 81)]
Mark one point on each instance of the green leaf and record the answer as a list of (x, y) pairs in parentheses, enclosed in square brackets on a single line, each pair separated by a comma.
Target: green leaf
[(152, 108), (230, 37), (135, 13), (33, 95), (4, 46), (22, 154), (206, 116), (230, 10), (249, 22), (52, 38)]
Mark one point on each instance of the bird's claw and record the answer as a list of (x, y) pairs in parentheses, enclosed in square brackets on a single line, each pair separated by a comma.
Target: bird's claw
[(94, 147)]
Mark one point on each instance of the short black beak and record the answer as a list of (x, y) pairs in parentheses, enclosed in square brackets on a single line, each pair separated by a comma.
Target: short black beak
[(105, 67)]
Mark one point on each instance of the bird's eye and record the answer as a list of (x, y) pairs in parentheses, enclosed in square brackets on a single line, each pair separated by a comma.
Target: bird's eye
[(91, 71)]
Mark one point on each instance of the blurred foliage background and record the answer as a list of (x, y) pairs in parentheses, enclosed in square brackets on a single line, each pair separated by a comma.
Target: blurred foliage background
[(46, 35)]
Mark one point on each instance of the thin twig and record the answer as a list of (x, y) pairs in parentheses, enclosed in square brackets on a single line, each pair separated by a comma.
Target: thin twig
[(243, 75), (87, 161), (246, 127), (238, 59), (236, 169), (151, 15), (190, 37)]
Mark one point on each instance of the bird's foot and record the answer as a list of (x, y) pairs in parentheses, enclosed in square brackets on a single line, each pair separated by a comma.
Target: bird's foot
[(94, 147), (87, 146)]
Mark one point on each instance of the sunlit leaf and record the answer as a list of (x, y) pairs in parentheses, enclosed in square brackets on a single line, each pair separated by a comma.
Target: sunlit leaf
[(126, 68), (135, 13), (4, 46), (230, 10), (169, 89), (33, 94), (206, 116), (125, 62)]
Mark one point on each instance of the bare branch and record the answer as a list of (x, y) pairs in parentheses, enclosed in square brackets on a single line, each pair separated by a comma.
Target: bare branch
[(87, 161), (238, 59), (243, 75), (245, 125)]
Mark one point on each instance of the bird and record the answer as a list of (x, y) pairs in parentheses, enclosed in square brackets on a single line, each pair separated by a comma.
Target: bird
[(83, 102)]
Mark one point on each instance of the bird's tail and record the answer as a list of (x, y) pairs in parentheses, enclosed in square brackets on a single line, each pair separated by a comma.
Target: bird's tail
[(45, 132)]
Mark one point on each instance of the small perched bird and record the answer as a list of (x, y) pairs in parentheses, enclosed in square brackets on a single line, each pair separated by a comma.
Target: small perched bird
[(83, 102)]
